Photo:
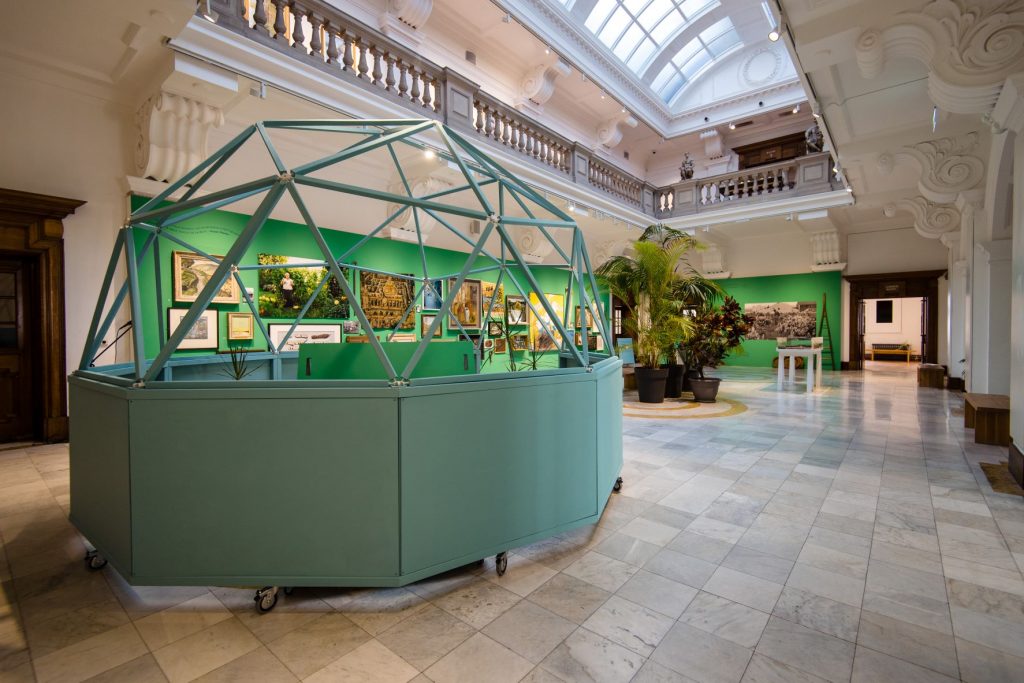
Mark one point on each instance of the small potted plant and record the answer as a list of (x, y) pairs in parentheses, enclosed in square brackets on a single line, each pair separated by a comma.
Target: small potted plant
[(717, 331)]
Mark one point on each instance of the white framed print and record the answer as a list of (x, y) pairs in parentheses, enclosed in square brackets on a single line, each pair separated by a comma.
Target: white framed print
[(203, 334), (304, 334)]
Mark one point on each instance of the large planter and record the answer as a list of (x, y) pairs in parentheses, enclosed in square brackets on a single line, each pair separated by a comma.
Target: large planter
[(705, 390), (674, 382), (650, 384), (689, 375)]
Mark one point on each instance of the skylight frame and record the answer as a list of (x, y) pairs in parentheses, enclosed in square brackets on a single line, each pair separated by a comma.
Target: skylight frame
[(674, 77)]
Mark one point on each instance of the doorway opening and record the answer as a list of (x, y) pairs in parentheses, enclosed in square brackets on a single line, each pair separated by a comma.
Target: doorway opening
[(894, 335)]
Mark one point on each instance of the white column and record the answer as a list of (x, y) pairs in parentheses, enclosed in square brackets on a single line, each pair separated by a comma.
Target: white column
[(1000, 281), (977, 329), (957, 315), (1017, 307)]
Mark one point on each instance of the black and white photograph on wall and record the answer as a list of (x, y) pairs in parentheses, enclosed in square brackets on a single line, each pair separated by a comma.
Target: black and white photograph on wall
[(793, 319)]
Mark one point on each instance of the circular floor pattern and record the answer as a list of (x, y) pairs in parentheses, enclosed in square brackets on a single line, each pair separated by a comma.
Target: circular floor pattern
[(682, 409)]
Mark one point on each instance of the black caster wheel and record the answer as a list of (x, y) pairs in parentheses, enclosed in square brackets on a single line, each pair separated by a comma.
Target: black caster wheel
[(266, 598), (618, 485), (501, 563), (94, 561), (289, 590)]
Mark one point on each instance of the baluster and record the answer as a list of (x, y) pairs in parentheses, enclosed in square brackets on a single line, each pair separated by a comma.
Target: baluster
[(298, 34), (259, 15), (377, 75), (436, 104), (426, 91), (488, 122), (784, 175), (389, 72), (364, 64), (407, 82), (415, 76), (529, 143), (513, 134), (551, 152), (347, 51), (332, 44), (316, 44), (279, 25), (524, 139), (402, 82)]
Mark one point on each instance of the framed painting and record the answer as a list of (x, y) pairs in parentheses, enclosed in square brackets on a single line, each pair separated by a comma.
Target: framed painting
[(203, 334), (385, 299), (404, 337), (192, 272), (241, 326), (350, 327), (488, 344), (304, 334), (466, 305), (494, 329), (433, 296), (499, 299), (285, 289), (500, 345), (516, 311), (590, 319), (543, 336), (426, 320)]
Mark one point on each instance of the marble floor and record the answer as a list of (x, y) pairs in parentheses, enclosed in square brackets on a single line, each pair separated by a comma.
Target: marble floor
[(846, 535)]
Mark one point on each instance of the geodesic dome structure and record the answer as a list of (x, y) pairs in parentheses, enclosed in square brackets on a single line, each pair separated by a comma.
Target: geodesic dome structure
[(517, 226)]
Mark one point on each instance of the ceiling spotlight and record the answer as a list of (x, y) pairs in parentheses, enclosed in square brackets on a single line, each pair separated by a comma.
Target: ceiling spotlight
[(732, 126), (623, 110), (850, 190), (572, 207), (796, 109), (428, 153), (207, 11), (774, 34), (602, 96), (816, 110), (547, 50)]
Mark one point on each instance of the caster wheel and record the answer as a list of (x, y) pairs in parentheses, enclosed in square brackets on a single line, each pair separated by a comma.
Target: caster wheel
[(501, 563), (94, 561), (289, 590), (266, 598), (618, 485)]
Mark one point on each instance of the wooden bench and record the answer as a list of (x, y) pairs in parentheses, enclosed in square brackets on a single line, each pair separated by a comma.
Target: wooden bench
[(931, 375), (890, 350), (989, 416)]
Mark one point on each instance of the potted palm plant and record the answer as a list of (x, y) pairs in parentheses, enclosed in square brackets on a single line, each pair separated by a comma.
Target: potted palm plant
[(716, 332), (651, 282)]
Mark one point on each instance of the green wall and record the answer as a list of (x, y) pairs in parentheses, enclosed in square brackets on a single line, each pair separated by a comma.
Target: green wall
[(771, 288), (214, 232)]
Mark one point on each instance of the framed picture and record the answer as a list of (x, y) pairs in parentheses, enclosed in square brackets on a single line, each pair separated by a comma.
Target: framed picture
[(543, 335), (590, 319), (203, 334), (499, 299), (500, 346), (520, 342), (516, 311), (466, 305), (494, 329), (426, 320), (350, 327), (305, 334), (192, 272), (385, 298), (433, 296), (488, 344), (286, 288), (241, 326), (404, 337)]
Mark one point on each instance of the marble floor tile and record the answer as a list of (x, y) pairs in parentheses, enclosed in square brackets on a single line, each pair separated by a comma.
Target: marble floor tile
[(650, 531), (202, 652), (428, 635), (144, 669), (870, 666), (652, 672), (91, 656), (313, 646), (756, 563), (629, 624), (528, 630), (174, 623), (908, 594), (67, 629), (725, 619), (835, 561), (371, 662), (522, 576), (479, 658), (569, 597), (767, 670), (913, 643), (587, 656), (818, 613), (702, 547), (744, 589), (979, 664), (701, 655), (808, 650), (682, 568), (258, 665), (628, 549), (655, 592), (479, 603)]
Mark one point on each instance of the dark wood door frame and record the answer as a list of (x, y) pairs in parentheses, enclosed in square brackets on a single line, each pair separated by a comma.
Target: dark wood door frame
[(921, 283), (31, 227)]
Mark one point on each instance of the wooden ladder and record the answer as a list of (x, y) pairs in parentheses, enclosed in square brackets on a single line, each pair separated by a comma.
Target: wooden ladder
[(825, 332)]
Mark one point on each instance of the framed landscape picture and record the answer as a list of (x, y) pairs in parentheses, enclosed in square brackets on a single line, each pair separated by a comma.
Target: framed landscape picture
[(285, 289), (241, 326), (304, 334), (499, 299), (191, 272), (516, 311), (466, 305), (426, 320), (203, 334)]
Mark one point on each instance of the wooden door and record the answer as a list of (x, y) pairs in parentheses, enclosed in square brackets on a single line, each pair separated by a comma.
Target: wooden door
[(926, 342), (18, 393)]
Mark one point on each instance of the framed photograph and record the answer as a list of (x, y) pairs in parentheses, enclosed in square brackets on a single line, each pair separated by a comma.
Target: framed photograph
[(466, 305), (350, 327), (404, 337), (500, 346), (590, 319), (520, 342), (426, 320), (516, 311), (286, 288), (241, 326), (203, 334), (433, 296), (494, 329), (385, 298), (192, 272), (499, 299), (305, 334)]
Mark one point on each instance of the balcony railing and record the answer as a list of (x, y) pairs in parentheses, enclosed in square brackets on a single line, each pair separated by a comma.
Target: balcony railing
[(317, 33)]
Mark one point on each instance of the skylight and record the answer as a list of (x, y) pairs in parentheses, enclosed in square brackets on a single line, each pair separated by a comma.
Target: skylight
[(694, 57)]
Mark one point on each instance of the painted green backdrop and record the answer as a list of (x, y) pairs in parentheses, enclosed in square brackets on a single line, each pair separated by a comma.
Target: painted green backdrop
[(214, 232), (771, 288)]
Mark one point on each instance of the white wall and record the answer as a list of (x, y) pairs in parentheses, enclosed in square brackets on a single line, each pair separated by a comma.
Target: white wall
[(893, 251), (65, 138), (774, 255), (905, 327), (1017, 309)]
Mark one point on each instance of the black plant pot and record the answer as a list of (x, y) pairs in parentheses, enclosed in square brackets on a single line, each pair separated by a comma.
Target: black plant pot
[(650, 384), (705, 390), (674, 383), (687, 376)]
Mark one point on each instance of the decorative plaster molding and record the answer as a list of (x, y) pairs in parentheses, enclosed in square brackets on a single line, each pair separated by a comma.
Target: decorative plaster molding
[(951, 239), (969, 49), (1008, 113), (713, 146), (825, 251), (532, 244), (171, 135), (404, 226), (539, 83), (403, 18), (754, 60), (713, 261), (602, 251), (997, 251), (610, 132), (931, 220), (946, 165)]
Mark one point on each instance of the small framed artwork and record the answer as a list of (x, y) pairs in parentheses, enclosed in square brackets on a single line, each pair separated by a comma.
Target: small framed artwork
[(519, 342), (203, 334), (516, 311), (426, 320), (350, 327), (494, 329), (466, 305), (432, 296), (488, 344), (497, 309), (500, 345), (241, 326), (404, 337), (305, 334), (192, 272), (590, 319)]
